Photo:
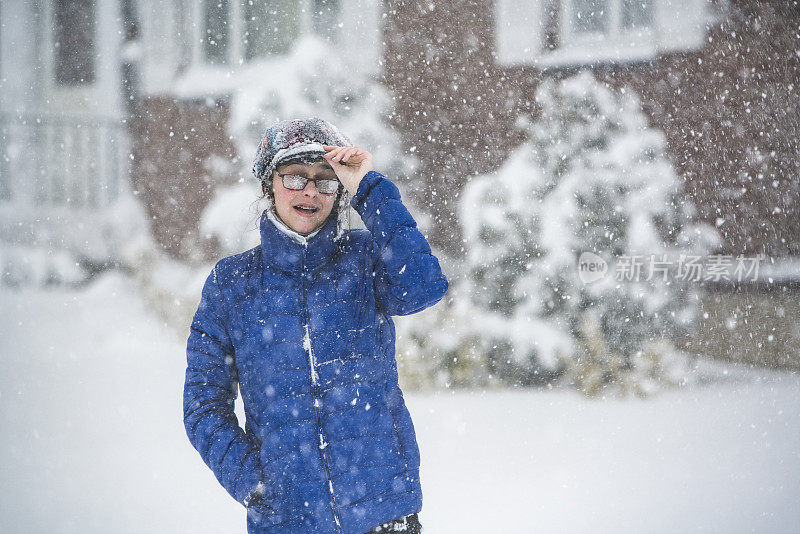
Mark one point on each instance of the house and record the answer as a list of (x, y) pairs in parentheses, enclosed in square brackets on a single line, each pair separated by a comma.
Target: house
[(101, 100), (95, 110), (720, 78), (64, 142)]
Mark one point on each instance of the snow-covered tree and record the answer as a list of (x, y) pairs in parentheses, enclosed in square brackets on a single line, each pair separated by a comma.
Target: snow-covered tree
[(592, 177), (438, 347)]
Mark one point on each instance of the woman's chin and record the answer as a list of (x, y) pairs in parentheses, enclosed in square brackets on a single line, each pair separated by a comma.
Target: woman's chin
[(303, 225)]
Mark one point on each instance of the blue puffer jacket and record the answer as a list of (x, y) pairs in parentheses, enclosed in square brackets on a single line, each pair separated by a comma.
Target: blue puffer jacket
[(305, 329)]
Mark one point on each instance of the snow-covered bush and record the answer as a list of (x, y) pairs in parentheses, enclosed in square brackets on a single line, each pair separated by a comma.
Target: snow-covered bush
[(61, 246), (592, 177), (437, 347)]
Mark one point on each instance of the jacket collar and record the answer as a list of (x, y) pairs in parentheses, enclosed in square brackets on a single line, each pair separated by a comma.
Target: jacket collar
[(296, 236), (289, 251)]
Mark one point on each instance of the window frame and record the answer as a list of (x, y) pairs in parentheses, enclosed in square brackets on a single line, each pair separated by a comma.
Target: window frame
[(614, 45), (237, 53)]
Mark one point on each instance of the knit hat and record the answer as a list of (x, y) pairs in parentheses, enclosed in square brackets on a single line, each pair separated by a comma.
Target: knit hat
[(294, 139)]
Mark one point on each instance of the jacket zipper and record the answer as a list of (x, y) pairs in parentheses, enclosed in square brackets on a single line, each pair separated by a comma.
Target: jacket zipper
[(315, 393)]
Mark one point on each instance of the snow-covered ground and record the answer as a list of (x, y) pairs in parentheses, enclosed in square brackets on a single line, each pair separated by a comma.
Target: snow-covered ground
[(92, 441)]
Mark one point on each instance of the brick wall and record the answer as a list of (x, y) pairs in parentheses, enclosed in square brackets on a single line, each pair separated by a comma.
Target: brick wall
[(174, 143)]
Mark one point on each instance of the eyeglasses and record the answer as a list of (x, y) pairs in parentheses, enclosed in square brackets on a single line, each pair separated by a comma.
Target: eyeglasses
[(295, 182)]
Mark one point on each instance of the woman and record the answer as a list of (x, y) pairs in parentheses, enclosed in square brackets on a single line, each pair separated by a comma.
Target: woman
[(302, 324)]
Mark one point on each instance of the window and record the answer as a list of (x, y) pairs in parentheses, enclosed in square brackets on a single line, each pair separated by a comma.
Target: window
[(325, 18), (233, 31), (609, 17), (637, 14), (216, 24), (598, 30), (184, 30), (130, 21), (590, 16), (595, 16), (569, 33), (271, 26), (74, 42)]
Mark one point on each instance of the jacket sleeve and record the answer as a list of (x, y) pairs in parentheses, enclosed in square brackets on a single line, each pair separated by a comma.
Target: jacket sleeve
[(208, 400), (407, 276)]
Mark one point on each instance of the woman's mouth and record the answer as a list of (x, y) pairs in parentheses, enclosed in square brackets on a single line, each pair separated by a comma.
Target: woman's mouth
[(306, 210)]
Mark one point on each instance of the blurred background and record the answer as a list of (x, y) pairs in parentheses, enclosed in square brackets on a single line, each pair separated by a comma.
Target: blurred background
[(612, 188)]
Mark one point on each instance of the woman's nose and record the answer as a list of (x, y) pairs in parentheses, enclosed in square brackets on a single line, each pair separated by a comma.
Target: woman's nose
[(311, 191)]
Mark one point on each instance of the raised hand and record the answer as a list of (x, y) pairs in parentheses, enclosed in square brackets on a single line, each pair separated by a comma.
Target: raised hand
[(350, 164)]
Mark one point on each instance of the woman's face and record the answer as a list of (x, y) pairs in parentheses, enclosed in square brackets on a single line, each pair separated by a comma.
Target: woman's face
[(303, 211)]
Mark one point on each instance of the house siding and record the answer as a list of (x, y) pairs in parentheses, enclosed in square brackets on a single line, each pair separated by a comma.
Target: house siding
[(174, 141), (728, 110)]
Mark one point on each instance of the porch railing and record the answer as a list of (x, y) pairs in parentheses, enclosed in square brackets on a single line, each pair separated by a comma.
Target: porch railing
[(53, 160)]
